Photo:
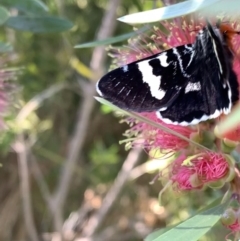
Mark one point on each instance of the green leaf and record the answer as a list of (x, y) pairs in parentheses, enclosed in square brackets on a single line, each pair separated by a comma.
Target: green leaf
[(168, 12), (4, 15), (5, 47), (154, 235), (231, 122), (44, 24), (112, 40), (27, 6), (231, 10), (191, 229), (159, 232)]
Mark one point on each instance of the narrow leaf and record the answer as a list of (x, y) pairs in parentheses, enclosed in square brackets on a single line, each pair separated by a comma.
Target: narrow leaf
[(150, 122), (81, 68), (27, 6), (112, 40), (230, 122), (4, 15), (154, 235), (227, 7), (191, 229), (5, 47), (168, 12), (44, 24)]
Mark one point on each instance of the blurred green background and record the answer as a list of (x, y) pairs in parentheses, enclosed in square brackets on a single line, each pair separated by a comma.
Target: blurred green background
[(61, 159)]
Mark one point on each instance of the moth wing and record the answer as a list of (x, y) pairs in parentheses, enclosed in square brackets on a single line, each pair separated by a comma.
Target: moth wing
[(149, 84), (206, 95)]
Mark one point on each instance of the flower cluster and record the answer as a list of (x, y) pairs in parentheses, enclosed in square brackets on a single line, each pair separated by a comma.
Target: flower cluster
[(204, 158), (180, 31), (151, 137)]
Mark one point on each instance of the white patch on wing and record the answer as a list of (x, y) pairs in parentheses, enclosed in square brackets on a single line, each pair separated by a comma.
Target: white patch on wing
[(216, 53), (152, 80), (163, 109), (121, 90), (125, 68), (192, 55), (180, 62), (163, 59), (188, 47), (128, 92), (193, 122), (192, 87), (227, 110), (98, 90)]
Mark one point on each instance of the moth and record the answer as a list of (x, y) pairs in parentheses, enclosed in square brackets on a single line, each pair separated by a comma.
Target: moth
[(184, 85)]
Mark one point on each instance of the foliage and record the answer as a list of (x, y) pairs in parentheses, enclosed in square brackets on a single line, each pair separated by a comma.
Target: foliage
[(52, 106), (30, 15)]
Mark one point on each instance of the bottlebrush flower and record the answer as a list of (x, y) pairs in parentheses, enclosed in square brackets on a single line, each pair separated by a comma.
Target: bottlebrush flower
[(184, 177), (168, 34), (179, 32), (152, 137), (234, 135), (208, 168), (229, 140), (194, 169)]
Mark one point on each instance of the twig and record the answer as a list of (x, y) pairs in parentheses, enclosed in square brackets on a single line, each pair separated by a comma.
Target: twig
[(83, 211), (37, 174), (84, 112), (9, 214), (37, 100), (111, 196), (22, 152), (76, 144), (136, 227)]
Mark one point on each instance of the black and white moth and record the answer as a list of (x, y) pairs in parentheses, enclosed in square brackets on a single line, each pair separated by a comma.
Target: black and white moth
[(184, 85)]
